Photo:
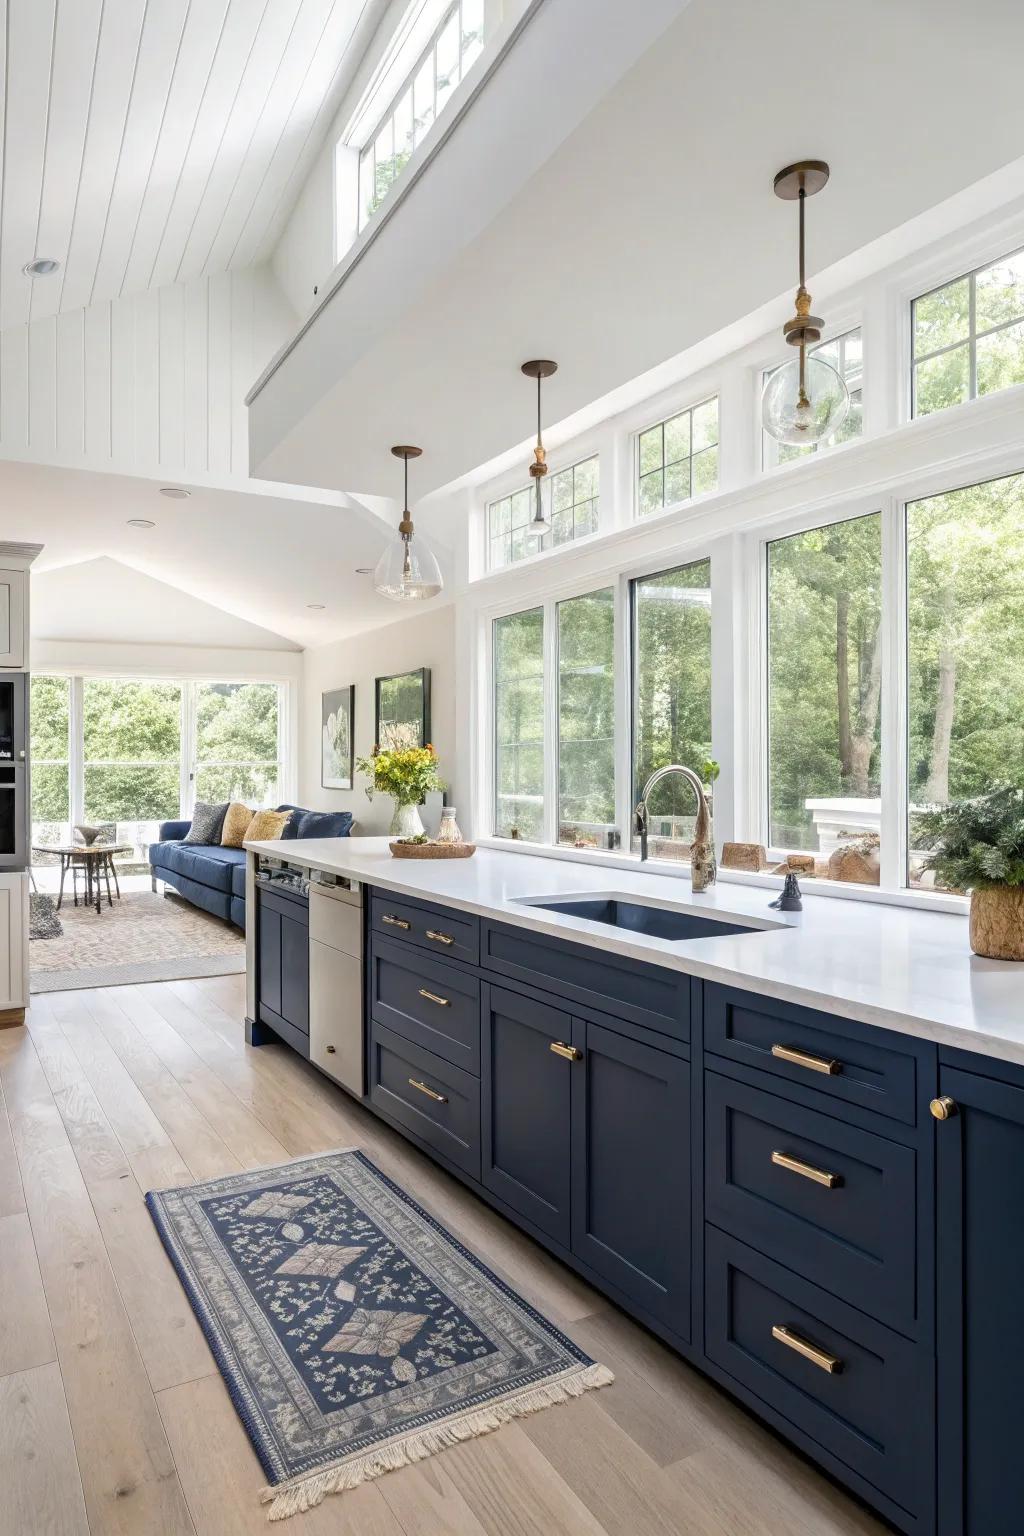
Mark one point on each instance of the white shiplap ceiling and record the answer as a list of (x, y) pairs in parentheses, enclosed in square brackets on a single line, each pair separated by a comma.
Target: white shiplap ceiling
[(148, 141)]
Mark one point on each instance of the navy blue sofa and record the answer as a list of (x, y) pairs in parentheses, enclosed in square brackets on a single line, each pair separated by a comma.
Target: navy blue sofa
[(213, 877)]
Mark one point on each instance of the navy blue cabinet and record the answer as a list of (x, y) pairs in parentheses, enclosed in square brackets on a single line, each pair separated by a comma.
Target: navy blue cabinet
[(283, 966), (980, 1225), (631, 1196), (525, 1106)]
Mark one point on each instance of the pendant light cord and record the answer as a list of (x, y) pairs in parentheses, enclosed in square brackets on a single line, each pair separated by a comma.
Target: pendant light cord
[(803, 346)]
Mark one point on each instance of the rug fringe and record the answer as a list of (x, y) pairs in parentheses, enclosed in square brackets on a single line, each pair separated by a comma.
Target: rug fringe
[(306, 1492)]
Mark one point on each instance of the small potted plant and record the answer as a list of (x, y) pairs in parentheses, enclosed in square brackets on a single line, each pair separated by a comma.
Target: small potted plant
[(407, 774), (978, 846)]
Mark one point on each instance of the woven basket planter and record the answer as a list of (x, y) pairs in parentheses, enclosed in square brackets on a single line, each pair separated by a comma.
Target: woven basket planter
[(997, 922)]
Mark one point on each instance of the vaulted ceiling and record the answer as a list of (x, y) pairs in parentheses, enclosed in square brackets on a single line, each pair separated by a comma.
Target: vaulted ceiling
[(148, 141)]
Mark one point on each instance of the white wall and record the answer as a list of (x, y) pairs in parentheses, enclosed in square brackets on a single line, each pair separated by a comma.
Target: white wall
[(425, 639), (152, 383)]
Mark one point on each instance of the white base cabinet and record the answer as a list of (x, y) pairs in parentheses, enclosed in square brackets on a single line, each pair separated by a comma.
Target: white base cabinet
[(13, 943)]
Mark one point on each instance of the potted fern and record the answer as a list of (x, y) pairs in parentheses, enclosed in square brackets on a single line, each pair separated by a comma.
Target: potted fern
[(978, 846)]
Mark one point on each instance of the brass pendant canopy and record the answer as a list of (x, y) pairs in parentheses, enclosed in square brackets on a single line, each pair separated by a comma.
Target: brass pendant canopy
[(407, 571), (539, 368)]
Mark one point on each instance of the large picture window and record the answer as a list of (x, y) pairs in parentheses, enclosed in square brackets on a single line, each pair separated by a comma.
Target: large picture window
[(672, 697), (519, 725), (236, 737), (965, 610), (132, 750), (824, 691), (969, 336), (586, 719)]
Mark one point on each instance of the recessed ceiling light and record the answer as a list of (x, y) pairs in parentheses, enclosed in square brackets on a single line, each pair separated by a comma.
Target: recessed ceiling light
[(317, 606), (141, 522), (176, 492), (41, 266)]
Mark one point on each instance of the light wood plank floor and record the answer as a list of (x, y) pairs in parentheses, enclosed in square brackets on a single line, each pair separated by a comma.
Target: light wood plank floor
[(113, 1416)]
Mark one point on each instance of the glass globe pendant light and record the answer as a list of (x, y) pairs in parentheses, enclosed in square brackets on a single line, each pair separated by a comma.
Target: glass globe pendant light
[(804, 401), (539, 368), (407, 570)]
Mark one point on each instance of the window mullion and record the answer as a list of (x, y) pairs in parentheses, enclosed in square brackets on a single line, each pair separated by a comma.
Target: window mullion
[(76, 760), (624, 662), (894, 786), (550, 833)]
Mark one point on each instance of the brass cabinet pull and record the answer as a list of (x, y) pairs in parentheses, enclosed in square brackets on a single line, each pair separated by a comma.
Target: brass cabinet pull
[(395, 922), (805, 1059), (439, 938), (568, 1051), (806, 1170), (944, 1108), (432, 997), (438, 1098), (819, 1357)]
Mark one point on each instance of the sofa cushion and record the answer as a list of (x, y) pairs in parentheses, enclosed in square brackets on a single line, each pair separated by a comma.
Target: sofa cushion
[(159, 853), (323, 823), (238, 879), (293, 821), (236, 821), (207, 821), (212, 867), (267, 826)]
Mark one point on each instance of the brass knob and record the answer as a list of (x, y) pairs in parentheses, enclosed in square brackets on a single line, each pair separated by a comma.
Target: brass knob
[(943, 1108), (331, 1050)]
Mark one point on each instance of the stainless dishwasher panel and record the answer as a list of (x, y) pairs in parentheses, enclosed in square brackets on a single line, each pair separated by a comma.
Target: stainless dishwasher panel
[(336, 984)]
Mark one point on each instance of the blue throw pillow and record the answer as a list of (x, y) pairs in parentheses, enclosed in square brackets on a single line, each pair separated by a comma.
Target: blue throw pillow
[(293, 821), (323, 823)]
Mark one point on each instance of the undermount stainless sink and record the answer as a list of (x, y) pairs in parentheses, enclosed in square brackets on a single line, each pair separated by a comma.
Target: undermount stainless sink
[(656, 922)]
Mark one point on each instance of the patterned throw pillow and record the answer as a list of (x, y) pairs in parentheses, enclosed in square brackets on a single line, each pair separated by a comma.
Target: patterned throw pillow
[(207, 821), (236, 823), (266, 825)]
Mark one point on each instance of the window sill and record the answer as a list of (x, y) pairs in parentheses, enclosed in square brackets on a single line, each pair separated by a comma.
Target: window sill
[(840, 890)]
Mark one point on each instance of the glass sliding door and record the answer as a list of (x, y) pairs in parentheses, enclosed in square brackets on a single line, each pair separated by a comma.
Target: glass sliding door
[(131, 732), (50, 717), (237, 735)]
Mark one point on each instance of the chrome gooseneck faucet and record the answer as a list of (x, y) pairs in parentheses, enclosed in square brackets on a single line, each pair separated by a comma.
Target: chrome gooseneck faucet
[(703, 865)]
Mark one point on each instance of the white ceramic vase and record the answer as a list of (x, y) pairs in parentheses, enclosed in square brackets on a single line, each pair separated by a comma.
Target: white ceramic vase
[(406, 821)]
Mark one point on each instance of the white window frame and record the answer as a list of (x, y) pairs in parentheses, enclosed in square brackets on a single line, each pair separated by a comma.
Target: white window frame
[(429, 52), (970, 276), (662, 421), (544, 548)]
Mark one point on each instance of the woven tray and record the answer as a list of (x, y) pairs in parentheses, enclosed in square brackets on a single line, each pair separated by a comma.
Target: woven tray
[(432, 850)]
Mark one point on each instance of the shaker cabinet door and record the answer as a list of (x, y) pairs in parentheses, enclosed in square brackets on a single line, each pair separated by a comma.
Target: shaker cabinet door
[(525, 1106), (980, 1180), (631, 1206)]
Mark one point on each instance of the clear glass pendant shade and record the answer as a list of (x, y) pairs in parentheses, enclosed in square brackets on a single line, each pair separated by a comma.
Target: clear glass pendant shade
[(539, 524), (407, 571), (806, 415)]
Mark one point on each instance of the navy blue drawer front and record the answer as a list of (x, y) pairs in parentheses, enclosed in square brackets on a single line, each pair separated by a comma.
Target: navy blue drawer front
[(436, 1005), (812, 1049), (429, 1097), (437, 929), (591, 978), (874, 1413), (829, 1200)]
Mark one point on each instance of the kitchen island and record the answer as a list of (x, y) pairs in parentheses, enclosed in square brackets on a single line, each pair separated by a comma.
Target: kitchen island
[(792, 1147)]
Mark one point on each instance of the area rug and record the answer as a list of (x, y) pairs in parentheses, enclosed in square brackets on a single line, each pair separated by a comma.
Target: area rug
[(354, 1333), (43, 922), (142, 937)]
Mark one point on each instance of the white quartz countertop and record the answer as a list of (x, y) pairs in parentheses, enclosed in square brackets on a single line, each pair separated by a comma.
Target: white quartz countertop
[(899, 967)]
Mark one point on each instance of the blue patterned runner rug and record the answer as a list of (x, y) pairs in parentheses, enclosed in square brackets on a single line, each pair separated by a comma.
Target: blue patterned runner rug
[(354, 1333)]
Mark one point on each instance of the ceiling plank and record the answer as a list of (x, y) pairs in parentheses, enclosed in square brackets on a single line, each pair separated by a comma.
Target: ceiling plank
[(234, 49), (29, 28), (276, 28), (116, 62), (192, 72), (76, 42)]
